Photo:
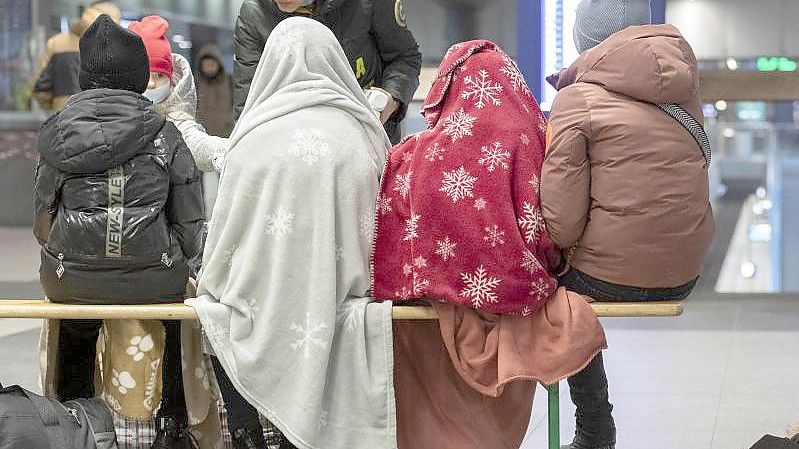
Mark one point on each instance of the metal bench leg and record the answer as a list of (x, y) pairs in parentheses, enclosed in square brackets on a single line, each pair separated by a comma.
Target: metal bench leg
[(554, 415)]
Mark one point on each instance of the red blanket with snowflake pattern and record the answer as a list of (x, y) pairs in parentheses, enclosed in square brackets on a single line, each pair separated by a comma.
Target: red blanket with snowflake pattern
[(458, 217)]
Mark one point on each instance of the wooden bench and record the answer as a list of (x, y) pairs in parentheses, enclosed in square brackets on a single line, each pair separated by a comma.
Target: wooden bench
[(25, 308), (10, 308)]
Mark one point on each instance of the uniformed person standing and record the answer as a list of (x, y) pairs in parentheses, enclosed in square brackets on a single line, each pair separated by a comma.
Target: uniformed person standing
[(381, 50)]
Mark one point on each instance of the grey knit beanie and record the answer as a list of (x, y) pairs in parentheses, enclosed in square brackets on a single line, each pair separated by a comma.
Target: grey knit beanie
[(597, 20)]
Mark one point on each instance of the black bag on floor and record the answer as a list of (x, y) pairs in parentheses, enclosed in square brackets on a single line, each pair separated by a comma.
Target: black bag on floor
[(772, 442), (30, 421)]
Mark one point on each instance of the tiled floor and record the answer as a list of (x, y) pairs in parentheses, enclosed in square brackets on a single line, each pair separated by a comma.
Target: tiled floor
[(719, 377)]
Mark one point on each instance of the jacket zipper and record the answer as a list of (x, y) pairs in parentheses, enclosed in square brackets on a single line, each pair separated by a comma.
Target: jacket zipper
[(60, 270)]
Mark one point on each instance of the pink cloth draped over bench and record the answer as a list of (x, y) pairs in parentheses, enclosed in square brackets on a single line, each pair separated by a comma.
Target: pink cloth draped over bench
[(467, 382)]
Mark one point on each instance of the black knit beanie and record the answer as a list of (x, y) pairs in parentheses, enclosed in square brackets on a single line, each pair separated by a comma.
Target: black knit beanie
[(112, 57)]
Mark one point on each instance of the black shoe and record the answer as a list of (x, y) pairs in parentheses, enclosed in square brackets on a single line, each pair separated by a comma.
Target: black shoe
[(172, 434), (244, 438)]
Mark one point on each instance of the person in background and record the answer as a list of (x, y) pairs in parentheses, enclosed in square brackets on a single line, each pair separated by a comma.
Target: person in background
[(119, 213), (214, 107), (374, 34), (56, 74), (172, 90), (214, 92), (624, 186)]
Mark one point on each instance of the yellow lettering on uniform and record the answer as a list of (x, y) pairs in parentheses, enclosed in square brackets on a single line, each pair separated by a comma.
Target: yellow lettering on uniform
[(360, 68)]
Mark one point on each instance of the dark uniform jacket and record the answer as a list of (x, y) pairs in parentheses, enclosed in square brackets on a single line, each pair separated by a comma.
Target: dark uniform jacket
[(380, 48), (118, 202)]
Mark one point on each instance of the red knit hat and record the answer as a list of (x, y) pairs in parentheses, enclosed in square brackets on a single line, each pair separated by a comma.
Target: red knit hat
[(152, 30)]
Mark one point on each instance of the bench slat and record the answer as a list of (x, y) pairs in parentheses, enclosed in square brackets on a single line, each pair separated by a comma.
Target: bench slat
[(10, 308)]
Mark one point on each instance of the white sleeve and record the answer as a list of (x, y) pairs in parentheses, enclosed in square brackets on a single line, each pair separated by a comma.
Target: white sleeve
[(180, 108), (208, 151)]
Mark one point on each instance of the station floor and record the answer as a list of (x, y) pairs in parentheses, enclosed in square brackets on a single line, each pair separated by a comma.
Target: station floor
[(718, 377)]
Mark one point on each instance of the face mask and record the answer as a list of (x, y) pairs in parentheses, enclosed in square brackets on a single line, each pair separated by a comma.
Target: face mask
[(158, 94)]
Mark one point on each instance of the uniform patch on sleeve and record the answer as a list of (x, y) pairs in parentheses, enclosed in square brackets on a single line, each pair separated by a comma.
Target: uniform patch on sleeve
[(399, 14)]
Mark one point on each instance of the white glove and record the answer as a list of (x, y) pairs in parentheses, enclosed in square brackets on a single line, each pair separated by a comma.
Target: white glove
[(382, 103)]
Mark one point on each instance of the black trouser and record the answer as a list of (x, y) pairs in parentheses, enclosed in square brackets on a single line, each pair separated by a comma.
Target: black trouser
[(589, 388), (77, 343), (241, 414)]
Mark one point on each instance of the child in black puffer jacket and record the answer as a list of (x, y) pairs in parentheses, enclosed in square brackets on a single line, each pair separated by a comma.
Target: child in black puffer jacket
[(119, 212)]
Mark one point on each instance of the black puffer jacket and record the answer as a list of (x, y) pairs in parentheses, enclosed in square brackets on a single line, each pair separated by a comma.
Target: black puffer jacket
[(380, 48), (119, 207)]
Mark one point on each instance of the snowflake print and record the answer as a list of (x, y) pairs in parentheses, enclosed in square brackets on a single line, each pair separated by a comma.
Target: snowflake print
[(480, 203), (404, 293), (420, 262), (459, 125), (280, 223), (536, 183), (367, 224), (228, 254), (494, 236), (384, 205), (289, 42), (542, 124), (482, 89), (526, 310), (435, 153), (532, 223), (402, 184), (458, 184), (517, 82), (218, 335), (349, 312), (479, 287), (525, 139), (322, 423), (420, 285), (429, 120), (446, 248), (540, 288), (407, 156), (412, 228), (308, 335), (530, 263), (494, 156), (310, 145), (407, 269), (254, 305)]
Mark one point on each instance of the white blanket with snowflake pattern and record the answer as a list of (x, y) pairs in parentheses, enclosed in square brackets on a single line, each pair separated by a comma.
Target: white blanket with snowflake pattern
[(283, 296)]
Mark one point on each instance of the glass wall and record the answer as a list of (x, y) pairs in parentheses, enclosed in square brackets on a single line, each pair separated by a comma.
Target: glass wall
[(559, 51), (16, 55)]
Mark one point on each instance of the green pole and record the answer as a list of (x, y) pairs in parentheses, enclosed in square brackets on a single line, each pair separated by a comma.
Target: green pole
[(554, 415)]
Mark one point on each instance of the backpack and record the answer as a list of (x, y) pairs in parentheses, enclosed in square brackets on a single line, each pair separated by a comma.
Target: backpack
[(30, 421)]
